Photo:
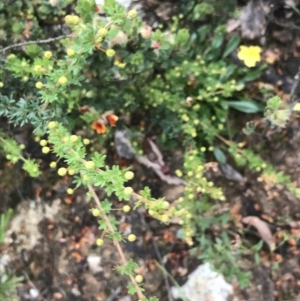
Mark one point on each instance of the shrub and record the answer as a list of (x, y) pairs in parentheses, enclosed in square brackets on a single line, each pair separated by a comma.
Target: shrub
[(102, 69)]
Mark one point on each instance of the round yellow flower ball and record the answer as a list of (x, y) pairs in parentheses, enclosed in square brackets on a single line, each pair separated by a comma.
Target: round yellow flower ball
[(131, 237), (48, 54), (62, 171)]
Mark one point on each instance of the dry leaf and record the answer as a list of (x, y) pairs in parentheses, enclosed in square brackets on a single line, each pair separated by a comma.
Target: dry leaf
[(157, 152), (230, 173), (157, 169), (123, 144), (253, 20), (262, 228), (232, 25)]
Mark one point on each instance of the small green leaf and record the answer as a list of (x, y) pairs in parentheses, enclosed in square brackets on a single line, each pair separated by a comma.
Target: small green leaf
[(217, 41), (246, 106), (274, 103), (112, 33), (131, 289), (220, 156), (252, 76), (232, 44)]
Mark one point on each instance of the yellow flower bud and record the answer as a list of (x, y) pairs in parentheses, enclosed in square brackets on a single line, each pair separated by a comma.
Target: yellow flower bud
[(70, 191), (89, 164), (45, 150), (99, 242), (178, 173), (62, 171), (110, 53), (96, 212), (131, 237), (48, 54), (139, 278), (52, 125), (73, 138), (43, 142), (102, 32), (69, 19), (128, 190), (70, 52), (53, 164), (132, 14), (71, 171), (126, 208), (129, 175), (166, 205), (75, 20), (38, 68), (39, 85), (62, 80)]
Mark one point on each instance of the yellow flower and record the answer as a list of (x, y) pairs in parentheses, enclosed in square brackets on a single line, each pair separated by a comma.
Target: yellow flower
[(249, 55)]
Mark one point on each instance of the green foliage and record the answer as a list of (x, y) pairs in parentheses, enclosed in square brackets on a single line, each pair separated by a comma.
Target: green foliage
[(128, 268), (181, 83), (8, 286), (277, 112), (4, 219), (13, 153)]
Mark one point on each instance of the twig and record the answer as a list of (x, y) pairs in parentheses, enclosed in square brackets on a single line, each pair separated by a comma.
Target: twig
[(114, 294), (273, 19), (294, 88), (35, 42)]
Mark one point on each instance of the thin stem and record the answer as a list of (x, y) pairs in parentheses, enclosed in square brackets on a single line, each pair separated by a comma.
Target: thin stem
[(294, 88), (116, 242), (35, 42)]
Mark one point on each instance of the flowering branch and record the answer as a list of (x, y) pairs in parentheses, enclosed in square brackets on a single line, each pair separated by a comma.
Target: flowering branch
[(116, 242)]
